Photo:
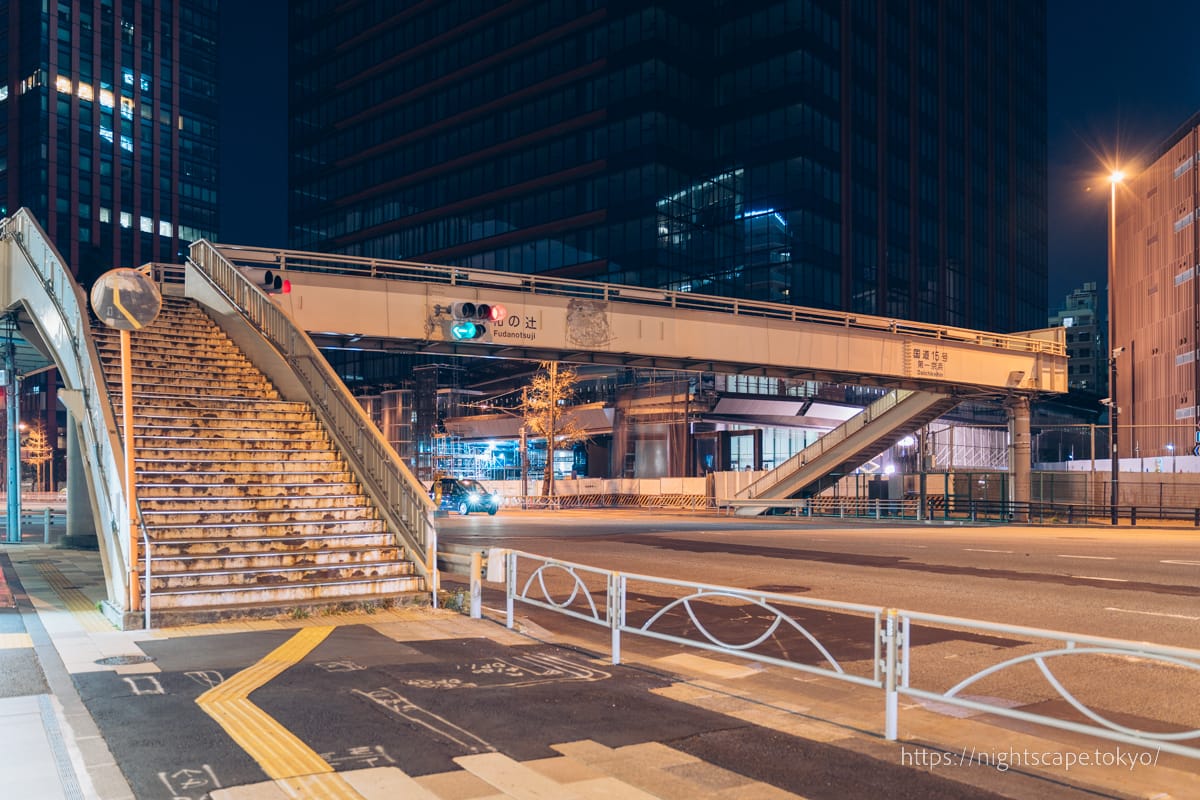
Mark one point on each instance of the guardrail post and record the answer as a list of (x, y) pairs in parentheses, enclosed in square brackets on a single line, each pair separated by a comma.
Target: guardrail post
[(973, 519), (892, 701), (476, 585), (616, 612), (510, 588), (45, 526), (1196, 517), (876, 508), (1132, 515), (1070, 514)]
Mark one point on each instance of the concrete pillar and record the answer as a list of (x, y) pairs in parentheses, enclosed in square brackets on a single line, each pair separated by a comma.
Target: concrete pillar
[(81, 526), (1019, 464)]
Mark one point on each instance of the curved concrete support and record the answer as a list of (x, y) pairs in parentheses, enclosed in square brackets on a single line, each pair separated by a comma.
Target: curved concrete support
[(81, 525)]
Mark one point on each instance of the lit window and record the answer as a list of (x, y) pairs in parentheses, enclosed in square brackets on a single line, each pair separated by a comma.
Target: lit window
[(164, 228), (3, 93), (106, 134), (126, 219), (105, 214), (86, 92), (127, 107), (127, 143), (145, 82), (106, 98), (147, 225), (127, 76), (63, 84)]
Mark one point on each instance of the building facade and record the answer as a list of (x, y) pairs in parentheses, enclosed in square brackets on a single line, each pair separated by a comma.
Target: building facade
[(108, 125), (1156, 295), (864, 155), (1083, 315)]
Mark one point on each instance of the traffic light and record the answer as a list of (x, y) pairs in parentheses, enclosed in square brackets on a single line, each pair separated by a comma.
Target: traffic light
[(275, 284), (469, 319)]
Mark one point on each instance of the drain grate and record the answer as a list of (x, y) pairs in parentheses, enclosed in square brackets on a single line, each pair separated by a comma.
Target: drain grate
[(117, 661)]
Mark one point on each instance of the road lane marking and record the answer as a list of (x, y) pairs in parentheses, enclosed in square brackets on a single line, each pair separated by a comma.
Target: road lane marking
[(1093, 558), (1151, 613), (296, 767), (982, 550), (1098, 578), (1182, 563)]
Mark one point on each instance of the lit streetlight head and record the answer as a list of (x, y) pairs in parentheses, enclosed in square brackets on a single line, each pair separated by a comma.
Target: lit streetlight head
[(1117, 176)]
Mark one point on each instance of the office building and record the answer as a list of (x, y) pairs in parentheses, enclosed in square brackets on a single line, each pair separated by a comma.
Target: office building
[(1157, 297), (871, 156), (1083, 315), (108, 126)]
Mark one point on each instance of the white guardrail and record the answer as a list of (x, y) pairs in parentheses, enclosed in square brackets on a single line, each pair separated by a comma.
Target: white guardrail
[(878, 642)]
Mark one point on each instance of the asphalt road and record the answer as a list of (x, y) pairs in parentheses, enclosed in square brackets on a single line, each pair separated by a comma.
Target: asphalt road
[(1141, 584)]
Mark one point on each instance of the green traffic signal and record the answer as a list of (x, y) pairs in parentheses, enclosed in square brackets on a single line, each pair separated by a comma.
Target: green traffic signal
[(466, 330)]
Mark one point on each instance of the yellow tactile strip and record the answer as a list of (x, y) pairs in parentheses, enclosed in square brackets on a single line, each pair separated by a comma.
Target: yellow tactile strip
[(78, 603), (13, 641), (295, 767)]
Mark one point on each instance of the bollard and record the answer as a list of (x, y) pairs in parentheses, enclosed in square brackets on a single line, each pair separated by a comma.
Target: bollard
[(45, 526), (892, 701), (476, 585)]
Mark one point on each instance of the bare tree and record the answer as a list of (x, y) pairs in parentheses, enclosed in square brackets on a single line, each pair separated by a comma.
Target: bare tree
[(38, 452), (546, 411)]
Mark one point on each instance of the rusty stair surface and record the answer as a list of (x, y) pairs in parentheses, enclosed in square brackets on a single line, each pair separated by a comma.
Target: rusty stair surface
[(249, 508), (850, 445)]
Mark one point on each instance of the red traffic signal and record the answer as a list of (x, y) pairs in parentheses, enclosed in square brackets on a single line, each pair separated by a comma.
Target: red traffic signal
[(275, 284)]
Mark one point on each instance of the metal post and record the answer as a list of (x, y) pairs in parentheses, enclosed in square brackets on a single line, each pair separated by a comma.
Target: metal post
[(12, 401), (616, 612), (135, 597), (45, 526), (892, 704), (524, 466), (510, 588), (476, 585)]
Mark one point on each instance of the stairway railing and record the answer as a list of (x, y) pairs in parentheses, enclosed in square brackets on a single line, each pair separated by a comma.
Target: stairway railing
[(397, 494), (835, 437), (58, 308)]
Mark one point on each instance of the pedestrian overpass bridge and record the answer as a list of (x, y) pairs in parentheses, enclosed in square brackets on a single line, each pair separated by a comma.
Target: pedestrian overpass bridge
[(344, 301)]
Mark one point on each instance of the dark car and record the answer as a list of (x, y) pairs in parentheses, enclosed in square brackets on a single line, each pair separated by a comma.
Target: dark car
[(464, 495)]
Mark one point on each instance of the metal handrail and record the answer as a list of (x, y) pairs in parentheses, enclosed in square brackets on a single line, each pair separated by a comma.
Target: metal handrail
[(891, 631), (83, 369), (397, 494), (822, 445), (300, 261)]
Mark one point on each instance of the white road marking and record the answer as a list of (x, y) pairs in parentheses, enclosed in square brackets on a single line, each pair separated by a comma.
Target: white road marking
[(981, 550), (1097, 578), (918, 546), (1094, 558), (1152, 613), (1182, 563)]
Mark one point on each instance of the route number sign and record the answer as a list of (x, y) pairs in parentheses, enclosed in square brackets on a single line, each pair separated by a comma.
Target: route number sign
[(126, 299)]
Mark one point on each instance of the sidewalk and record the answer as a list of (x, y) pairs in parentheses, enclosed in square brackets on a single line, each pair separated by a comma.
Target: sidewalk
[(50, 632)]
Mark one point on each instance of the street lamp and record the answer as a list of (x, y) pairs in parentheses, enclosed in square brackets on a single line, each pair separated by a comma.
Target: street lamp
[(1113, 410)]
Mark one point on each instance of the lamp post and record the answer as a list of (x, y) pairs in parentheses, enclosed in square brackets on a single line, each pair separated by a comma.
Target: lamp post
[(1113, 410)]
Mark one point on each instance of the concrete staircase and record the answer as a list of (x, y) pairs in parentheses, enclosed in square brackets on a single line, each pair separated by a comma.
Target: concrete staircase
[(249, 508)]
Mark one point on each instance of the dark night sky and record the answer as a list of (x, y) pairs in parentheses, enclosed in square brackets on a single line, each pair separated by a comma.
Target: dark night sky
[(1122, 78)]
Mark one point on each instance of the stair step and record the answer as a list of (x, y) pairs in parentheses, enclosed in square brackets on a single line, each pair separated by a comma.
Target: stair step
[(178, 548), (200, 455), (271, 516), (276, 575), (278, 530), (224, 505), (333, 474), (222, 444), (245, 491), (166, 565), (345, 590)]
